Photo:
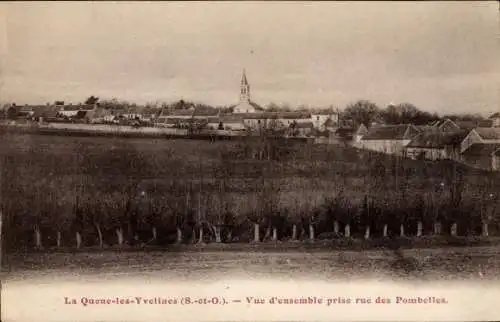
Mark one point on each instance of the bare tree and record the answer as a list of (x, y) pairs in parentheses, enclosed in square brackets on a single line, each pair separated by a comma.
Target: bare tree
[(362, 112)]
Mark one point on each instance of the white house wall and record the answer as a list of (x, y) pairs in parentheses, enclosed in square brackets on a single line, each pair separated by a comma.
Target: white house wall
[(68, 113), (426, 153), (385, 146)]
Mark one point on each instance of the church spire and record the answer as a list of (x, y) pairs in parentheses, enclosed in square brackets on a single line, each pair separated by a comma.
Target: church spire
[(244, 81), (245, 88)]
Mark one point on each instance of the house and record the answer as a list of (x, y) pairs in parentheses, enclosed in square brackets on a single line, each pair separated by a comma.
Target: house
[(359, 132), (32, 112), (469, 124), (352, 135), (390, 139), (140, 113), (256, 121), (274, 120), (76, 110), (45, 113), (329, 125), (436, 145), (173, 122), (301, 129), (285, 119), (113, 115), (485, 156), (202, 112), (26, 111), (481, 135), (425, 128), (323, 119), (445, 125), (495, 119), (98, 115), (133, 112), (200, 115), (345, 135), (232, 122), (11, 112), (149, 115)]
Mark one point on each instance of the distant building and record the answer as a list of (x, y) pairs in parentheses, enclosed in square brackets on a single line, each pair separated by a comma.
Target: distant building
[(301, 129), (485, 156), (75, 110), (347, 136), (495, 119), (445, 125), (325, 120), (481, 135), (246, 105), (436, 145), (390, 139)]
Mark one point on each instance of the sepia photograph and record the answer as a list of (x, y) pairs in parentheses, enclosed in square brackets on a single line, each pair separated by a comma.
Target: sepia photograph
[(249, 161)]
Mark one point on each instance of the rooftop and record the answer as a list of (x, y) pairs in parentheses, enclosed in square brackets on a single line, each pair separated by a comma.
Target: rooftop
[(482, 149), (438, 139), (488, 133), (391, 132)]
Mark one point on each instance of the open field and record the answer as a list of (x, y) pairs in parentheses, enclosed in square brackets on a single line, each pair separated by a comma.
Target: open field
[(57, 190), (449, 263)]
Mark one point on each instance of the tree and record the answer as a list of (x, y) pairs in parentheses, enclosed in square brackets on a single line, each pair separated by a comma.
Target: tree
[(91, 100), (362, 112), (405, 113), (272, 107), (294, 216), (464, 117)]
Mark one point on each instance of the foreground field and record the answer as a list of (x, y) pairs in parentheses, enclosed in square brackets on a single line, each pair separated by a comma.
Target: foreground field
[(107, 192), (437, 263)]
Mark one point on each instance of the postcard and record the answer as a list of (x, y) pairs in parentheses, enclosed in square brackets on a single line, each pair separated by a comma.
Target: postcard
[(249, 161)]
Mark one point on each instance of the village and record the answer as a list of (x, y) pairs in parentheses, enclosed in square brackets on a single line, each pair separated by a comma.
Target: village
[(475, 143)]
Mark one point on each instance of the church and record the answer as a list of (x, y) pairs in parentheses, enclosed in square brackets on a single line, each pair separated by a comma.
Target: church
[(246, 105)]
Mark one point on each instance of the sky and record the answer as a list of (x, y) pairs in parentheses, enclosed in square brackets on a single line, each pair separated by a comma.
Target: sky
[(440, 56)]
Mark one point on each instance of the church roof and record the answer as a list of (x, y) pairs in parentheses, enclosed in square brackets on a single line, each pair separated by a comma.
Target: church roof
[(251, 105)]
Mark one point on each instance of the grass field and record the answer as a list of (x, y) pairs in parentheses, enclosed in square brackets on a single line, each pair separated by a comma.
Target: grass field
[(53, 185)]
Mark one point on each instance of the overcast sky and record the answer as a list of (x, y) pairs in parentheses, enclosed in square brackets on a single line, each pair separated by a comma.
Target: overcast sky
[(440, 56)]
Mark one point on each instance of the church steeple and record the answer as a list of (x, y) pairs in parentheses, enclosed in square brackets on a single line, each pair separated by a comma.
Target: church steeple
[(245, 89)]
